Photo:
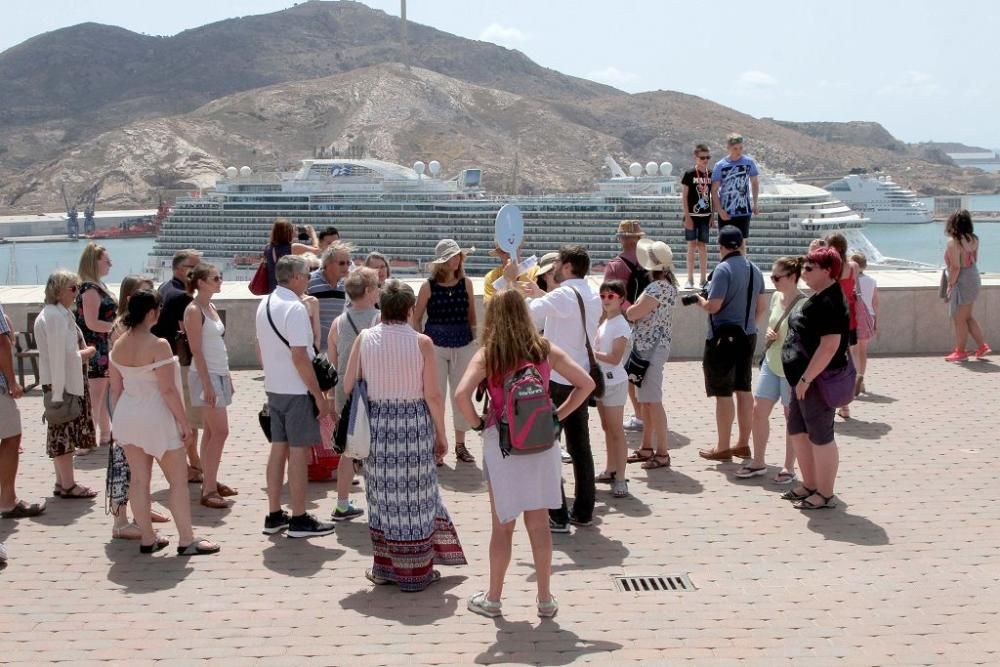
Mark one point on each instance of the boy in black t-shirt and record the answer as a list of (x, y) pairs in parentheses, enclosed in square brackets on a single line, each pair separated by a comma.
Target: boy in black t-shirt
[(697, 198)]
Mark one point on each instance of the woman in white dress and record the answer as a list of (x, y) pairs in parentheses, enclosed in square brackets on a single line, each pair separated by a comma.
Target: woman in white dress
[(528, 484), (149, 420)]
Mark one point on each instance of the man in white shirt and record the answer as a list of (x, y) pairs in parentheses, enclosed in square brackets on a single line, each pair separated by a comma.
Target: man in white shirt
[(294, 399), (564, 328)]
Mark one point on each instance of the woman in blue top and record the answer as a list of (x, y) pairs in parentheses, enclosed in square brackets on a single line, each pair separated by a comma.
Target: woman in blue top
[(450, 306), (281, 243)]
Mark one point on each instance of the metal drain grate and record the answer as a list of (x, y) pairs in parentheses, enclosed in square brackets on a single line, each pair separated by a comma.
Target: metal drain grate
[(658, 584)]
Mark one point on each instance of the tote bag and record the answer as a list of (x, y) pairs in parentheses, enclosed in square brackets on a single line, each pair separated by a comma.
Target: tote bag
[(359, 432)]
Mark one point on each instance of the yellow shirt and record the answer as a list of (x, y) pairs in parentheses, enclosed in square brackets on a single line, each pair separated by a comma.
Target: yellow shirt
[(494, 274)]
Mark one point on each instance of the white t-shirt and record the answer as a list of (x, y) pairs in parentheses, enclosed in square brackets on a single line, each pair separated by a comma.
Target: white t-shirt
[(292, 319), (866, 285), (610, 331)]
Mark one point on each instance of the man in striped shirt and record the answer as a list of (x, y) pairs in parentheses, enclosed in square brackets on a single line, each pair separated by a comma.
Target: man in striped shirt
[(326, 284)]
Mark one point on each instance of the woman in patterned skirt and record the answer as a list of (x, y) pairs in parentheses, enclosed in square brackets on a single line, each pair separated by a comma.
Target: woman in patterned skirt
[(409, 525), (62, 363)]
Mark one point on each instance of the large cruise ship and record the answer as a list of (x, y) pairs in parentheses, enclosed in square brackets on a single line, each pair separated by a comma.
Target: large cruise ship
[(880, 199), (404, 211)]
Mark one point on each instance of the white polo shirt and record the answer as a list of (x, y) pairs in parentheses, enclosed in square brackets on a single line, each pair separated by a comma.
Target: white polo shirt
[(563, 326), (292, 319)]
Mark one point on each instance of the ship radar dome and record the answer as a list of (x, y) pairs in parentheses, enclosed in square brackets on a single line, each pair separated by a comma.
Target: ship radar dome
[(651, 168), (434, 167), (231, 172), (666, 168), (418, 167), (245, 171), (635, 169)]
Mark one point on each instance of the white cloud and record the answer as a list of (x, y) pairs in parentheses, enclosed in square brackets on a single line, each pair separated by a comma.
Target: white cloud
[(754, 78), (613, 76), (503, 35), (912, 83)]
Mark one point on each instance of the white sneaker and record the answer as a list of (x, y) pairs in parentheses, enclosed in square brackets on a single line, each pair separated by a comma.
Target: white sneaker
[(633, 423), (689, 284), (566, 458)]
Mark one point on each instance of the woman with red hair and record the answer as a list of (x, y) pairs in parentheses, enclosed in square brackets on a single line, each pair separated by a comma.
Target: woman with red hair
[(817, 340)]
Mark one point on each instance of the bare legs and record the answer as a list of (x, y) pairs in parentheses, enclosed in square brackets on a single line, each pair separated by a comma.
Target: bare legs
[(762, 432), (727, 411), (99, 408), (702, 250), (216, 431), (65, 478), (174, 467), (966, 325), (614, 436), (501, 539), (345, 477), (9, 459), (276, 475), (654, 434), (818, 464), (298, 478)]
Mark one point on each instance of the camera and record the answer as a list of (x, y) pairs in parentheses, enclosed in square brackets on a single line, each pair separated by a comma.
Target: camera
[(692, 299), (303, 234)]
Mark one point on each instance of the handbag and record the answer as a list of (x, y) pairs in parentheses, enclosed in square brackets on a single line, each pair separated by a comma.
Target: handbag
[(836, 385), (117, 482), (734, 334), (326, 374), (943, 285), (61, 412), (264, 418), (183, 347), (358, 437), (636, 368), (259, 283), (595, 370)]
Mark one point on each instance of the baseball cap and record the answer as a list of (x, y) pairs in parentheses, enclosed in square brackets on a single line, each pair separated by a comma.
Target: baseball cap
[(730, 237)]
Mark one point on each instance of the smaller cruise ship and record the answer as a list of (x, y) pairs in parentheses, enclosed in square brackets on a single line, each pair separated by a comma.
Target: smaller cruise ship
[(880, 199)]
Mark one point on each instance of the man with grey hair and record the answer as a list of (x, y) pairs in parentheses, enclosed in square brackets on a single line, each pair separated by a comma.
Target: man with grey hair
[(294, 400), (174, 299), (327, 284)]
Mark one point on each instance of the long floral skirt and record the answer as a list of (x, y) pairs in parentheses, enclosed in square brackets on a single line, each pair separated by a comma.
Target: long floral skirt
[(409, 525), (80, 433)]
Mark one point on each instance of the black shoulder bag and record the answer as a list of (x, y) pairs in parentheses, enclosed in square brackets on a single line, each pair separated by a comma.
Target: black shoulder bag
[(595, 370), (326, 374)]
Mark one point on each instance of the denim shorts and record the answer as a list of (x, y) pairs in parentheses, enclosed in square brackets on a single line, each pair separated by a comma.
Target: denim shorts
[(699, 232), (771, 386), (222, 384)]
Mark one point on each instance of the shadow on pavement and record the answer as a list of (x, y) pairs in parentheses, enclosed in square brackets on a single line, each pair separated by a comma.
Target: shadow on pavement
[(670, 480), (875, 398), (466, 479), (298, 557), (588, 549), (387, 602), (675, 440), (840, 526), (861, 429), (630, 506), (551, 644), (60, 512), (354, 535), (142, 573), (982, 366)]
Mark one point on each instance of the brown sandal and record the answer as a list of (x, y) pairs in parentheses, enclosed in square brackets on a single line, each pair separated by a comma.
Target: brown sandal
[(462, 454), (656, 461), (637, 457), (225, 490), (215, 501), (195, 476)]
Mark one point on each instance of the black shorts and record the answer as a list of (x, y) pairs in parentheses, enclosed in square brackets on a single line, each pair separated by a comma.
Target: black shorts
[(852, 337), (741, 222), (811, 416), (699, 232), (727, 364)]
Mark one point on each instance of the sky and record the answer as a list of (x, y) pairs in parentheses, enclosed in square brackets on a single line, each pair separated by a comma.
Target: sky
[(924, 69)]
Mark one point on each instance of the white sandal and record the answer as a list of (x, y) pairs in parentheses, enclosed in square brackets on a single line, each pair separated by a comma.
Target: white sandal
[(549, 608), (480, 604)]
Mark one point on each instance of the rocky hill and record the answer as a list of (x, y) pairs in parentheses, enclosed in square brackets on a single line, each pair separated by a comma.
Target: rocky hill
[(145, 115)]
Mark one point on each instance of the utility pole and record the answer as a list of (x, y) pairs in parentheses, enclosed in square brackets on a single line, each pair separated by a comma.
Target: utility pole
[(404, 46)]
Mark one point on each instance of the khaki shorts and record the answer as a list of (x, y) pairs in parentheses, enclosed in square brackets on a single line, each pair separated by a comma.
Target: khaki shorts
[(10, 417), (193, 413)]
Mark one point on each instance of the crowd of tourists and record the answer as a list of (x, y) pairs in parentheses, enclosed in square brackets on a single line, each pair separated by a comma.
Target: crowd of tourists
[(358, 362)]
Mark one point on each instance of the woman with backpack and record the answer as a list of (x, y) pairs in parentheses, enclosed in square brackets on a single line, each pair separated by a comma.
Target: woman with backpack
[(521, 463)]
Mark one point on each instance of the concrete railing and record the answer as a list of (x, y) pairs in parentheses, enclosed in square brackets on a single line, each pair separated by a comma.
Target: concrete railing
[(912, 320)]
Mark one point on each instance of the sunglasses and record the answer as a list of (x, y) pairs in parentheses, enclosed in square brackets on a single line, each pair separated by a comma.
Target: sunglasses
[(808, 268), (776, 277), (609, 296), (216, 279), (704, 157), (342, 263), (73, 288)]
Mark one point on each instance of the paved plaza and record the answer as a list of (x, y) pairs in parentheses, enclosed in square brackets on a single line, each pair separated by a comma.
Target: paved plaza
[(906, 570)]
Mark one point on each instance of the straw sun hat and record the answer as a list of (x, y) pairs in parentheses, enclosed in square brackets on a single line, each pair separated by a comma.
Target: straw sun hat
[(547, 263), (446, 249), (654, 255)]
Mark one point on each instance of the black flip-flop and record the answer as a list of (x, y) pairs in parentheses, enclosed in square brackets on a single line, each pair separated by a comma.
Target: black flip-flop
[(160, 544), (195, 548), (23, 510)]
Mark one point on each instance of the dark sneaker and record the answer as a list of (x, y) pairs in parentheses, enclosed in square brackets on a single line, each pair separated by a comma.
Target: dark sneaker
[(351, 512), (276, 522), (558, 527), (576, 522), (306, 525)]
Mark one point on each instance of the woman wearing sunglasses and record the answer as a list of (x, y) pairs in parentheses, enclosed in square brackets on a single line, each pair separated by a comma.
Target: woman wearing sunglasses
[(208, 377), (771, 384), (817, 340)]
